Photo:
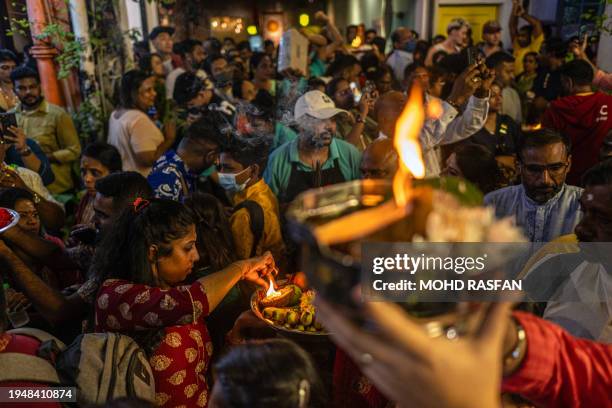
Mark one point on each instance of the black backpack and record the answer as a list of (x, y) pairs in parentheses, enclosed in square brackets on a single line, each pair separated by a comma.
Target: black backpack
[(102, 366), (256, 217)]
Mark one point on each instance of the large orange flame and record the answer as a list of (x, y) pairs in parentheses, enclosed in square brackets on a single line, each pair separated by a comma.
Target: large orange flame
[(406, 142)]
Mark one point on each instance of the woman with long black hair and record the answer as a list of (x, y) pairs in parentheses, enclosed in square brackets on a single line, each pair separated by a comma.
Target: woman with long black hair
[(142, 263), (131, 131)]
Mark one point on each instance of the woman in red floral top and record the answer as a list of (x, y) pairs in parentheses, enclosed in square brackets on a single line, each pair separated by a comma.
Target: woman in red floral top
[(143, 261)]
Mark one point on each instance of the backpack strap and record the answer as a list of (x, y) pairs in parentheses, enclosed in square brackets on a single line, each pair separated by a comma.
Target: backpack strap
[(40, 335), (256, 218), (25, 367)]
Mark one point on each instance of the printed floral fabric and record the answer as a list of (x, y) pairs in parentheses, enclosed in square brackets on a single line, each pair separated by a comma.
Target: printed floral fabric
[(182, 358), (170, 178)]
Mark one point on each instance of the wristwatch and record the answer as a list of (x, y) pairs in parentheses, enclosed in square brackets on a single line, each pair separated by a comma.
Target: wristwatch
[(359, 119), (26, 151)]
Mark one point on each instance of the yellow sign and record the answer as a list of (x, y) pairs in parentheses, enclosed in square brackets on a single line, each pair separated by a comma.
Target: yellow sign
[(252, 30), (475, 15)]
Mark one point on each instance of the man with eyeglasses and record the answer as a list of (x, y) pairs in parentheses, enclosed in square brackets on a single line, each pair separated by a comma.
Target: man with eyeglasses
[(543, 205)]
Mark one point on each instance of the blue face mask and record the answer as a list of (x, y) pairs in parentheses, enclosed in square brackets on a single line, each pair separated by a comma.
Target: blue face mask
[(410, 46), (228, 182)]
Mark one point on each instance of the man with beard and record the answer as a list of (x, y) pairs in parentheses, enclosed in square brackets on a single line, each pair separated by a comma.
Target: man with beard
[(316, 158), (114, 193), (585, 116), (543, 205), (575, 278), (357, 128), (192, 55), (49, 125), (503, 64), (528, 38)]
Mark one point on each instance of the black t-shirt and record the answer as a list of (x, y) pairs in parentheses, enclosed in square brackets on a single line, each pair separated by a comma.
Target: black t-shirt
[(505, 140), (547, 84)]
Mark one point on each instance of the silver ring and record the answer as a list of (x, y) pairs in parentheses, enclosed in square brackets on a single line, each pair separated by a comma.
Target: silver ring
[(366, 358)]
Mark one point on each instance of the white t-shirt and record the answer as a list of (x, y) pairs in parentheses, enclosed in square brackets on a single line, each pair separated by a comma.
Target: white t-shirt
[(133, 132), (171, 80)]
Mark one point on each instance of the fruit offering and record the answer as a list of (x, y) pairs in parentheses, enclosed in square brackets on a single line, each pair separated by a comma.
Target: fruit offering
[(293, 314)]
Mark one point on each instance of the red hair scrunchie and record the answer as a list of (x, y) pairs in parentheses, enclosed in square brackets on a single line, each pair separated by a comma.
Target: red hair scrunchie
[(140, 204)]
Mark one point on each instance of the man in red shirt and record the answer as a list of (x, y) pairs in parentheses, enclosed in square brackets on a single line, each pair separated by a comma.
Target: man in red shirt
[(584, 116)]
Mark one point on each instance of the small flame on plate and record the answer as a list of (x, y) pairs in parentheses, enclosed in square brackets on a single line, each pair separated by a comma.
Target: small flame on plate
[(271, 291)]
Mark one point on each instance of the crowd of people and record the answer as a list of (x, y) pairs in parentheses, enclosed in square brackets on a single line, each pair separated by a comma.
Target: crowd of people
[(161, 229)]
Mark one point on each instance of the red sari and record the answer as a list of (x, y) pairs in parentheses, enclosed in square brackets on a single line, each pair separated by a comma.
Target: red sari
[(182, 358)]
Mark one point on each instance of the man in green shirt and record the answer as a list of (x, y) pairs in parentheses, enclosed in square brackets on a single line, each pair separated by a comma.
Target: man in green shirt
[(316, 158), (49, 125)]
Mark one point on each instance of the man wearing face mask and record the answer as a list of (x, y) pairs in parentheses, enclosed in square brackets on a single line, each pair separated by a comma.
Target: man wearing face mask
[(223, 75), (316, 158), (403, 47), (175, 173), (543, 205), (255, 222)]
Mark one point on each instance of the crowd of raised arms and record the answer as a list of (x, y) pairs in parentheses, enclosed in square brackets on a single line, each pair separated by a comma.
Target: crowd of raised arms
[(156, 234)]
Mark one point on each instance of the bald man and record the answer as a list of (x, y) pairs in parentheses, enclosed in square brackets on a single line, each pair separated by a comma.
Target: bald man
[(386, 111), (379, 160)]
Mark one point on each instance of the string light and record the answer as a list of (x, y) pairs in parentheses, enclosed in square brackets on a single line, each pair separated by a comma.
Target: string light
[(304, 20)]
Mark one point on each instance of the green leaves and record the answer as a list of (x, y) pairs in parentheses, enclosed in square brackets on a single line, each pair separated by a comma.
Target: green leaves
[(70, 48)]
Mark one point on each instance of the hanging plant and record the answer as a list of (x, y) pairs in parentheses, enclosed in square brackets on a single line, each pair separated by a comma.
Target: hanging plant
[(168, 4)]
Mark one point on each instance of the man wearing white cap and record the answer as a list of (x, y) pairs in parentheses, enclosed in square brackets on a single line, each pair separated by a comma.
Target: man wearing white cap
[(316, 158)]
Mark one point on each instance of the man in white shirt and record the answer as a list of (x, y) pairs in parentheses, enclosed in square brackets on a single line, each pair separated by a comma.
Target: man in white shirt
[(464, 113), (503, 64), (400, 57), (578, 285), (192, 55)]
